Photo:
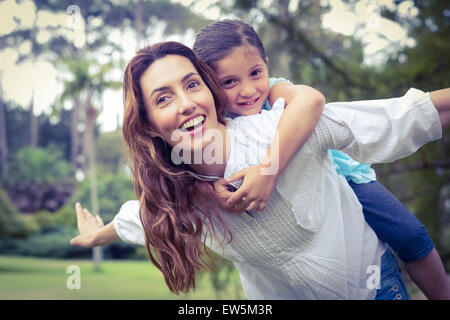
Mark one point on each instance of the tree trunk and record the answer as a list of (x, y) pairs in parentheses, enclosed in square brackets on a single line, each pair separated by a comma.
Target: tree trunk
[(138, 25), (3, 138), (89, 144), (34, 126), (74, 135)]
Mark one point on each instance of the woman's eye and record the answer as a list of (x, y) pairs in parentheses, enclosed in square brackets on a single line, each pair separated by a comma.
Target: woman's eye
[(193, 84), (161, 100)]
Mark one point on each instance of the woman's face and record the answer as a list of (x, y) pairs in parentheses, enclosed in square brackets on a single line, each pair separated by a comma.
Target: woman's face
[(179, 104)]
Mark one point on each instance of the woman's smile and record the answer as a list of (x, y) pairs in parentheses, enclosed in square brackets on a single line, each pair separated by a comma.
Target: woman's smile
[(193, 125)]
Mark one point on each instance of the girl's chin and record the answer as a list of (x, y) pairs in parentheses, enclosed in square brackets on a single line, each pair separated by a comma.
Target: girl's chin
[(247, 111)]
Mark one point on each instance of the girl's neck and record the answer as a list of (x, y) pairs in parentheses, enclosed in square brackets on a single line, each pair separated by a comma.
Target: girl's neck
[(219, 148)]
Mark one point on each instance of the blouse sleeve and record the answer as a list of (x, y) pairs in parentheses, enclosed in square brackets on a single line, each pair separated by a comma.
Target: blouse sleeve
[(377, 131), (128, 223)]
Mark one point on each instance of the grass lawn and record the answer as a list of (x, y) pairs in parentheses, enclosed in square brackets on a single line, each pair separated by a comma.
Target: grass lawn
[(35, 278), (25, 278)]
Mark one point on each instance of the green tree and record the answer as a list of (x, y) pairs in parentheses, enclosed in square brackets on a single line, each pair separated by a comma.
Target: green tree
[(114, 189), (41, 179), (422, 181), (3, 139), (300, 49), (110, 152), (11, 226)]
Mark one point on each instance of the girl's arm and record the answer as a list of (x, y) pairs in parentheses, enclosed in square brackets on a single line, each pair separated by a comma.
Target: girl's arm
[(303, 109), (93, 232), (441, 101), (304, 106)]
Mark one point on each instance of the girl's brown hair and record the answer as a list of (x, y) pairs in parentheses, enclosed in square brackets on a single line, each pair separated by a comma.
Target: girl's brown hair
[(215, 41), (174, 205)]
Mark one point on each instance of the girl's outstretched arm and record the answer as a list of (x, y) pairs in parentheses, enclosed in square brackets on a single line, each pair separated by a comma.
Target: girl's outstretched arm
[(441, 100), (92, 230)]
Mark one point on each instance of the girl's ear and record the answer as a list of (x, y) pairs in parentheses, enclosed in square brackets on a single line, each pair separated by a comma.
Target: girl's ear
[(267, 61)]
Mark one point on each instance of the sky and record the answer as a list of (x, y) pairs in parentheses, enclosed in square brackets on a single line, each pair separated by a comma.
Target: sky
[(42, 82)]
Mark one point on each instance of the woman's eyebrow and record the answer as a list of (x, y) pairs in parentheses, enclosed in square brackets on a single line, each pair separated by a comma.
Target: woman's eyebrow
[(158, 90), (190, 74)]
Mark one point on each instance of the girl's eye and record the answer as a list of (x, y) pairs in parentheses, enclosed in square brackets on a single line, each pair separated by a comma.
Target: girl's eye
[(228, 82), (256, 72)]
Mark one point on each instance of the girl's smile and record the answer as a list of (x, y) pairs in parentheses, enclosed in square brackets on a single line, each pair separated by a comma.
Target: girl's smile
[(248, 104)]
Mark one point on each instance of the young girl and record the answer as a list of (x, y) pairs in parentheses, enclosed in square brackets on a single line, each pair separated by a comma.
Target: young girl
[(234, 50), (166, 87)]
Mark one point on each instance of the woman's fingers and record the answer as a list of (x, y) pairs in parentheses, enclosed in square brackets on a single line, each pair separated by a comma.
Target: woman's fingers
[(99, 221), (85, 217), (82, 241), (75, 241), (79, 210)]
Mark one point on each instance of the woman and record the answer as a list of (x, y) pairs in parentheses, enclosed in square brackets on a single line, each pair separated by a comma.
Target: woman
[(310, 242)]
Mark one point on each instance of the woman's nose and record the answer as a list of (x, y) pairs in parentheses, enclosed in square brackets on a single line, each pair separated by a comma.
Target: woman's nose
[(185, 104)]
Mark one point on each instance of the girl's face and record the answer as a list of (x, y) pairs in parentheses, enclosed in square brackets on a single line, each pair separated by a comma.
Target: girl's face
[(245, 78), (178, 102)]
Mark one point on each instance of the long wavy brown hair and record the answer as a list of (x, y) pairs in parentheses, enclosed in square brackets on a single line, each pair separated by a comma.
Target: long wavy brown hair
[(175, 206)]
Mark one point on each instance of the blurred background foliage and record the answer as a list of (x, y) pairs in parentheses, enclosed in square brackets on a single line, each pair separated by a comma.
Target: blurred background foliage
[(50, 160)]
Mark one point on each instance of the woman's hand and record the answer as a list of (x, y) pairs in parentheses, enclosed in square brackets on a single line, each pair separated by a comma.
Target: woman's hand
[(88, 226), (254, 193)]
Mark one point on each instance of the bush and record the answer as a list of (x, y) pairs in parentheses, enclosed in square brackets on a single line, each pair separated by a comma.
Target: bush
[(11, 224), (40, 166), (39, 179), (113, 191), (55, 244)]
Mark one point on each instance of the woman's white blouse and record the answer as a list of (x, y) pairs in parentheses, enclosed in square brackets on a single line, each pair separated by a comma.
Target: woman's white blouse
[(312, 242)]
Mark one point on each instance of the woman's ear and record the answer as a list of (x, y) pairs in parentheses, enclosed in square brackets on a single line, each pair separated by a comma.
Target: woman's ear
[(267, 61)]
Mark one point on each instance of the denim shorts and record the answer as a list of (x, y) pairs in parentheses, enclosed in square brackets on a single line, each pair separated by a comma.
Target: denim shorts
[(392, 222), (392, 286)]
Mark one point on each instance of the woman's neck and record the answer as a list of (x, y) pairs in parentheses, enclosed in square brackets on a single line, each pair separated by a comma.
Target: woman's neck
[(215, 154)]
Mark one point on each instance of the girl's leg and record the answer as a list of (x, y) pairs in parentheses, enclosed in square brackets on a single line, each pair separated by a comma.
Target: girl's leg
[(430, 276), (396, 225)]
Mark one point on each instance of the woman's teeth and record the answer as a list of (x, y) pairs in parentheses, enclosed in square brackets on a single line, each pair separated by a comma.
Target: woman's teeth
[(192, 123)]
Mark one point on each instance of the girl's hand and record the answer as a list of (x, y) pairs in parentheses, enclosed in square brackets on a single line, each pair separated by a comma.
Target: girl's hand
[(223, 193), (254, 193), (87, 226)]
